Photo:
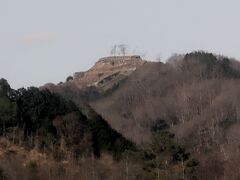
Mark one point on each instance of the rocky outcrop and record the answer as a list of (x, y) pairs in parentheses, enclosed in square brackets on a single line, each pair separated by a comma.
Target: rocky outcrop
[(107, 71)]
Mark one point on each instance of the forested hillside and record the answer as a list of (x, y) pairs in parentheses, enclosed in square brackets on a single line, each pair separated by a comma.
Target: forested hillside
[(43, 136), (197, 94), (173, 120)]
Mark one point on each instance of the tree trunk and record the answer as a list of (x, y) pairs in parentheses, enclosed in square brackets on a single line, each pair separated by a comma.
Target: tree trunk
[(183, 170), (127, 168)]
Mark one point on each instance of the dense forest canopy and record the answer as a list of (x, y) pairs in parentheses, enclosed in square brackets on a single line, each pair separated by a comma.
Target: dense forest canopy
[(49, 116)]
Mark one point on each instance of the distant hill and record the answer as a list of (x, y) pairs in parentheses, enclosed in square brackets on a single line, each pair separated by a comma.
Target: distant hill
[(197, 94), (154, 90)]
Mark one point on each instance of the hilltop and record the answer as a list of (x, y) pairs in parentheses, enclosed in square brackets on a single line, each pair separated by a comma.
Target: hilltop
[(105, 76), (107, 71)]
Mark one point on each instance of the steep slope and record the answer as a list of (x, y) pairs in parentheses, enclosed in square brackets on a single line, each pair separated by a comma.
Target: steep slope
[(133, 106)]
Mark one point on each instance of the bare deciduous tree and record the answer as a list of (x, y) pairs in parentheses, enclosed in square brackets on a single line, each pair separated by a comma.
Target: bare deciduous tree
[(113, 50), (122, 49)]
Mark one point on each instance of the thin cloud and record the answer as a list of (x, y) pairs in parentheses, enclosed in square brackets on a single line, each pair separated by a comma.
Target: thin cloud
[(38, 37)]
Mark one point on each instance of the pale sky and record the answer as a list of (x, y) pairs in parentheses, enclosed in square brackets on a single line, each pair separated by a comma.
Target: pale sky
[(46, 40)]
